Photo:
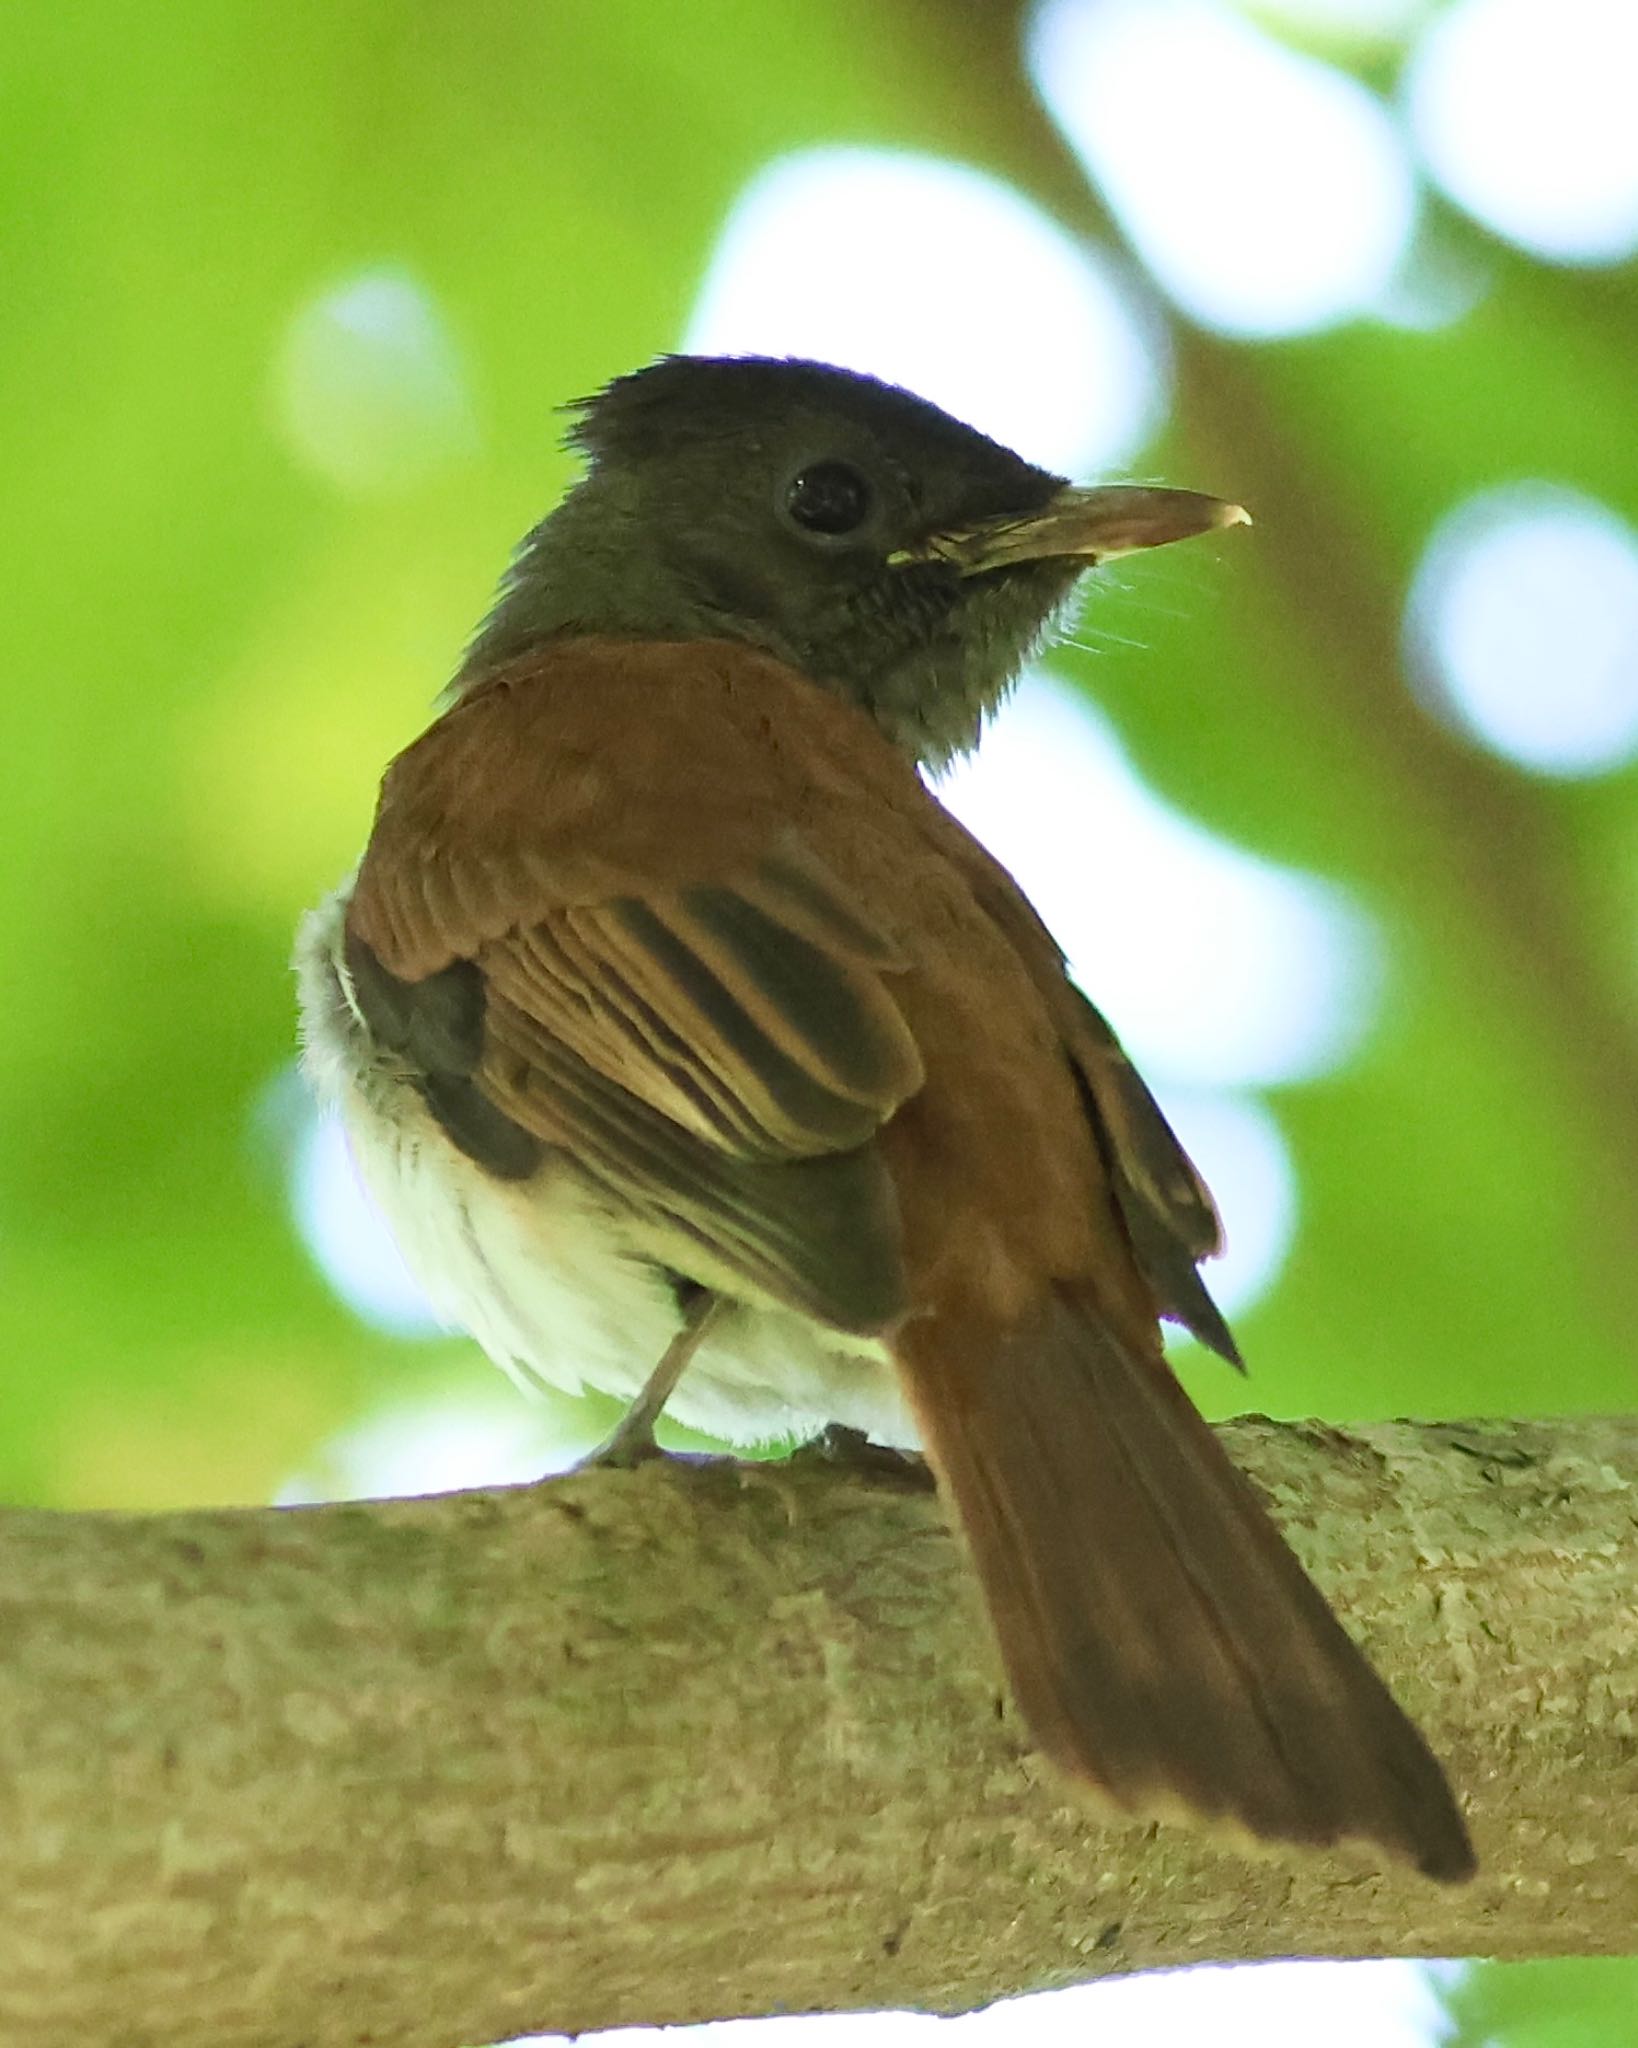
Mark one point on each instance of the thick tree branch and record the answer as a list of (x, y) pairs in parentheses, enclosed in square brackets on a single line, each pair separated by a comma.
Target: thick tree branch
[(717, 1740)]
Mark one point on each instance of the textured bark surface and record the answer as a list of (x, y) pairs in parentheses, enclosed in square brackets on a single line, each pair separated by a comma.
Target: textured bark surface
[(710, 1740)]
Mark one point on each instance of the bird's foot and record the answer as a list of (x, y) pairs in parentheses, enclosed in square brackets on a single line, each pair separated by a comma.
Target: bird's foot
[(850, 1450), (629, 1444)]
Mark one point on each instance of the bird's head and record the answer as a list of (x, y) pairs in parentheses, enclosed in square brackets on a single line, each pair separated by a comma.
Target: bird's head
[(849, 528)]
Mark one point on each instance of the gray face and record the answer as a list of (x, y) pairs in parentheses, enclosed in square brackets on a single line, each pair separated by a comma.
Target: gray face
[(764, 501)]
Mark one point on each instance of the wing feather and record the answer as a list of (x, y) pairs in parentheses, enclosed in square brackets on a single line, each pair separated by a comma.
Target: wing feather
[(1170, 1219), (717, 1056), (820, 1234)]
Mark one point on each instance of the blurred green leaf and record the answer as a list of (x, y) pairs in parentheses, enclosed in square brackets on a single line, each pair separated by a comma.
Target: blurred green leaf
[(1590, 2003)]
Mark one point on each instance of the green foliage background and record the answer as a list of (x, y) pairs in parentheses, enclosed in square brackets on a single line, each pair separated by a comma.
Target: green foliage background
[(209, 654)]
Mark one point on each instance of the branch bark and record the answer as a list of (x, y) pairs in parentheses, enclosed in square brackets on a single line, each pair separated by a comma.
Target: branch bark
[(708, 1740)]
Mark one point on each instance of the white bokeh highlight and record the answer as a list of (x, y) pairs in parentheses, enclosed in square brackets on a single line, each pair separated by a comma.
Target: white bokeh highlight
[(1268, 192), (1525, 116), (435, 1444), (1439, 283), (1237, 1143), (948, 281), (1218, 968), (1522, 626), (369, 391), (346, 1235), (1263, 2005)]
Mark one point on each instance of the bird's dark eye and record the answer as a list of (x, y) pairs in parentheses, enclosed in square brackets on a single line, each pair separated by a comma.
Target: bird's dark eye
[(829, 497)]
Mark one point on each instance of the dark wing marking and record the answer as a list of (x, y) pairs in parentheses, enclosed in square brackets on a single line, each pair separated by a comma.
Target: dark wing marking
[(819, 1233), (435, 1026)]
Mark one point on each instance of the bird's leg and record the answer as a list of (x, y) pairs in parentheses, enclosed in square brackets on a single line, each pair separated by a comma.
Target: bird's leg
[(632, 1440)]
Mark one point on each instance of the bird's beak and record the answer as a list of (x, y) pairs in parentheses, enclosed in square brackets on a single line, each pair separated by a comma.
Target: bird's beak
[(1087, 524)]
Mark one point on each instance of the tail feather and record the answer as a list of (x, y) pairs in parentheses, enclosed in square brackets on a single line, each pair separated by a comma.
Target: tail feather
[(1161, 1640)]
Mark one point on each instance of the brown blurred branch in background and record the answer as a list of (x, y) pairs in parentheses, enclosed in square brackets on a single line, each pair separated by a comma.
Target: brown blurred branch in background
[(706, 1740)]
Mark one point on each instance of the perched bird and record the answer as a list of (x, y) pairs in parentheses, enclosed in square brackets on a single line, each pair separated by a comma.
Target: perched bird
[(697, 1055)]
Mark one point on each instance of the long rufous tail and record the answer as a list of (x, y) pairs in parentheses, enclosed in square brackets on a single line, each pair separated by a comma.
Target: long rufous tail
[(1162, 1643)]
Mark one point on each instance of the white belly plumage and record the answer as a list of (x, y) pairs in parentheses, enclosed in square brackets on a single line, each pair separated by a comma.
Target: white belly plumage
[(556, 1288)]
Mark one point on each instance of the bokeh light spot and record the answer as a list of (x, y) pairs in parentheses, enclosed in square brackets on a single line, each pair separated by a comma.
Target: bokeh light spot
[(1217, 967), (435, 1445), (1525, 115), (1268, 192), (1255, 2005), (946, 280), (369, 390), (346, 1235), (1439, 283), (1252, 2005), (1522, 625), (1240, 1149)]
